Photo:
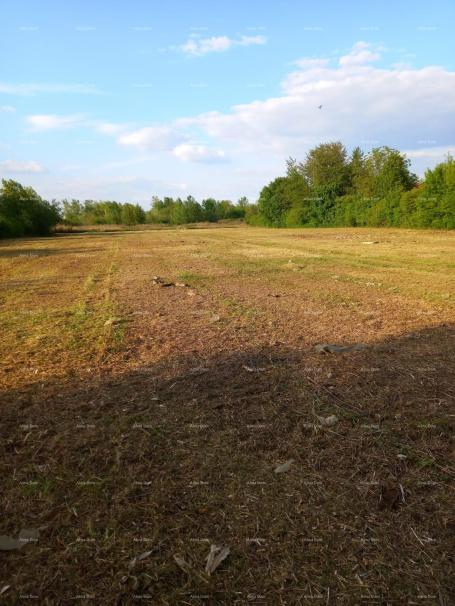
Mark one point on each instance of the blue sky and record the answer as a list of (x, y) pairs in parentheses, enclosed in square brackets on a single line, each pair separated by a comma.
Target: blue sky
[(125, 100)]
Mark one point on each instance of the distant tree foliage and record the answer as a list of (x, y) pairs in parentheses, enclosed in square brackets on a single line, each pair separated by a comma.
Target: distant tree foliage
[(23, 212), (165, 211), (177, 211), (331, 188), (91, 212)]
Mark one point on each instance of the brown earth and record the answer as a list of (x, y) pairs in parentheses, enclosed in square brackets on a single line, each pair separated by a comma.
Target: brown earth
[(138, 417)]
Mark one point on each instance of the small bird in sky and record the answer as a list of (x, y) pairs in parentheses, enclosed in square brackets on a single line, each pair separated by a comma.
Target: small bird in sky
[(319, 106)]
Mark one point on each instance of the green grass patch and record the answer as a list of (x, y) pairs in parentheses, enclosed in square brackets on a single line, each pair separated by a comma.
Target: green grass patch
[(235, 308), (191, 278)]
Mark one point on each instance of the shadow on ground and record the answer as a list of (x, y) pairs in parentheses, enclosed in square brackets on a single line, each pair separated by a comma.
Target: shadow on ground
[(172, 458), (44, 252)]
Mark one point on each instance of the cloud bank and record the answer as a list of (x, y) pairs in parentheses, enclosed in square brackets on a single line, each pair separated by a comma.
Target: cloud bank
[(356, 98), (362, 104)]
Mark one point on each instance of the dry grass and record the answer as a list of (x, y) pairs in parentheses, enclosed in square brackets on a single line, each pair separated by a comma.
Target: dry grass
[(130, 423)]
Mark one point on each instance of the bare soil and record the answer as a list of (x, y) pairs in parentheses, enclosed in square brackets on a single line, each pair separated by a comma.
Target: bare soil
[(139, 418)]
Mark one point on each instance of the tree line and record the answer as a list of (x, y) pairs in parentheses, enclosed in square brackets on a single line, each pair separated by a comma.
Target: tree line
[(24, 213), (329, 188), (164, 211), (332, 188)]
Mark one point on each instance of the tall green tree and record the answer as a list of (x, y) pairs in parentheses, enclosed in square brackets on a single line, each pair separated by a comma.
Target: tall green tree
[(132, 214), (73, 212), (209, 208), (273, 202), (326, 168), (23, 212), (386, 170), (437, 200)]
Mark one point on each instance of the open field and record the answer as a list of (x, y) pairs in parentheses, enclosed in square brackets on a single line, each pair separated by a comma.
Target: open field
[(78, 229), (138, 417)]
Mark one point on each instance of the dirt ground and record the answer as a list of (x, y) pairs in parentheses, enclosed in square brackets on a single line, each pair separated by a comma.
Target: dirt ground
[(161, 393)]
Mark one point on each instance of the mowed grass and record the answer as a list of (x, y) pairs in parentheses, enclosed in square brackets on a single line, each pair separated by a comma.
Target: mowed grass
[(147, 418), (56, 293), (55, 302)]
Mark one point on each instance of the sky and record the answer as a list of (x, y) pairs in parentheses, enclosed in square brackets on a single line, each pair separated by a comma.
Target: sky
[(126, 100)]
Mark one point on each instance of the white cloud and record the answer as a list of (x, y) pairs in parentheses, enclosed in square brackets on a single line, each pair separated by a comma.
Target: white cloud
[(426, 157), (440, 153), (390, 106), (216, 44), (42, 122), (251, 40), (153, 138), (11, 166), (33, 88), (308, 63), (363, 103), (203, 46), (109, 128), (361, 52), (199, 153)]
